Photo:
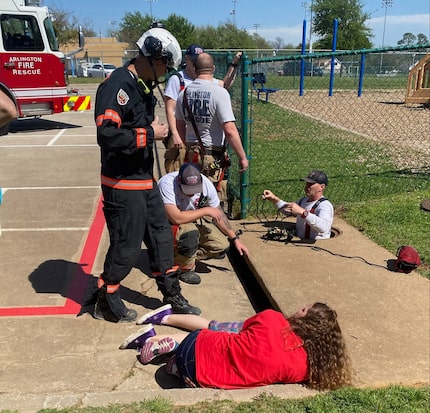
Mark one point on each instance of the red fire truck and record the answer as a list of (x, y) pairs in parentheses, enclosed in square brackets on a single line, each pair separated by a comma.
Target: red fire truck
[(31, 64)]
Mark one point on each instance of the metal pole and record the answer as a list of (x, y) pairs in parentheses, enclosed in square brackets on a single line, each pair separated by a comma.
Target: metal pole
[(244, 178), (150, 8), (233, 12), (360, 81), (386, 4), (333, 48), (256, 26), (310, 27), (302, 61)]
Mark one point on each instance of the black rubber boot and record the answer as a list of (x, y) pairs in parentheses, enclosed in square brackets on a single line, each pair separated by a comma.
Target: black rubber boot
[(110, 307)]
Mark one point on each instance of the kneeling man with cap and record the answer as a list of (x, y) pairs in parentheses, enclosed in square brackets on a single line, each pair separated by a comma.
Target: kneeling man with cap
[(201, 228), (314, 212)]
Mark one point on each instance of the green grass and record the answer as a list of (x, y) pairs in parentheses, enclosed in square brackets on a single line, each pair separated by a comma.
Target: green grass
[(397, 399), (404, 222), (366, 187), (85, 80)]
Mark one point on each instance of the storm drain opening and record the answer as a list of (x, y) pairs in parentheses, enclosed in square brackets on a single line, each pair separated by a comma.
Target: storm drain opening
[(335, 232), (257, 295)]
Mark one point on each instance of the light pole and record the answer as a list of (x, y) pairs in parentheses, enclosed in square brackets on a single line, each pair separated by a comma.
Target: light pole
[(150, 7), (113, 31), (310, 26), (386, 4), (101, 53), (233, 12), (306, 5), (256, 26)]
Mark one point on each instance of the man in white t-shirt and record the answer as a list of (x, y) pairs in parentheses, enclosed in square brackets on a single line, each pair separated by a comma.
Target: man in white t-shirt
[(314, 212), (202, 230), (205, 107), (175, 150)]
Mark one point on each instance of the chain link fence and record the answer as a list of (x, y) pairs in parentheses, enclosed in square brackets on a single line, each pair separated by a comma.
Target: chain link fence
[(342, 112)]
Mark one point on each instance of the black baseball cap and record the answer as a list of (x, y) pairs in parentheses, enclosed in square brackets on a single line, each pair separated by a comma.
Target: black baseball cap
[(316, 177), (190, 179)]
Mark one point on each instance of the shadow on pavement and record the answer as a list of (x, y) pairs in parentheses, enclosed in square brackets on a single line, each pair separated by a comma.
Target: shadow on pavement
[(62, 277), (55, 276), (35, 124)]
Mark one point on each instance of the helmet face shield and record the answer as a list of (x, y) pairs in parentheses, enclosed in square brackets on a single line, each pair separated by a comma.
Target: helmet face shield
[(159, 43)]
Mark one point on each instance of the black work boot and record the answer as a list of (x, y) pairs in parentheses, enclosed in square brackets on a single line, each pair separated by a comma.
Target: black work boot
[(180, 305), (110, 307), (169, 286)]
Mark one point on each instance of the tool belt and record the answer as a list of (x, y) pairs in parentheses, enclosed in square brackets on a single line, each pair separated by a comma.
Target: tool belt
[(215, 151), (212, 163)]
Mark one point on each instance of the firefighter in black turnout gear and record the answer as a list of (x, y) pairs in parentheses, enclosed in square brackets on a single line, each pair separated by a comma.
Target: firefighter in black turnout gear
[(126, 132)]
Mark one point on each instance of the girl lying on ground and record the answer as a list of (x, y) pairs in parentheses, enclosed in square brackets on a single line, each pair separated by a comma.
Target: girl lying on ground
[(267, 348)]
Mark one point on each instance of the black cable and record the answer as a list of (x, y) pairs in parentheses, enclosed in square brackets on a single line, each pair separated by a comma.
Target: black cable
[(355, 257), (281, 235), (278, 217)]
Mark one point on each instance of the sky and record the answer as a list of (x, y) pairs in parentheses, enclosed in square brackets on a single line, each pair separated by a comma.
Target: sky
[(271, 19)]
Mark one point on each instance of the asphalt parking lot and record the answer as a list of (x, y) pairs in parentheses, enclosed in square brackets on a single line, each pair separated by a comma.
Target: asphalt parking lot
[(49, 179), (52, 246)]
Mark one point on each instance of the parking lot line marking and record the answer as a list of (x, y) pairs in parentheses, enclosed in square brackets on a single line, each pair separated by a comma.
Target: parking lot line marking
[(44, 229), (80, 279), (56, 137), (18, 188), (83, 145)]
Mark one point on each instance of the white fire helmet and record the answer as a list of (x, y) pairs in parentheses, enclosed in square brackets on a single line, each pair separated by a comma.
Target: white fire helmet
[(159, 43)]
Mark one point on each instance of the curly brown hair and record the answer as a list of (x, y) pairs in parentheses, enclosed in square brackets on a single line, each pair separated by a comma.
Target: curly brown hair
[(328, 361)]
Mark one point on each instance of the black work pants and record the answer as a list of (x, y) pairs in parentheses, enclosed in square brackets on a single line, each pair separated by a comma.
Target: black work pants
[(133, 217)]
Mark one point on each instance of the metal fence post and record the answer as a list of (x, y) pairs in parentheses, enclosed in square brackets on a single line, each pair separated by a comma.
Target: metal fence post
[(244, 178)]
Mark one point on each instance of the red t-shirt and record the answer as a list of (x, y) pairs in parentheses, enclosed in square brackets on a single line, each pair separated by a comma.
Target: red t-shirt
[(263, 353)]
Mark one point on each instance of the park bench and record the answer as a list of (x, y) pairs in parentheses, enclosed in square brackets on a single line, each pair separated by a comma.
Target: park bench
[(258, 84)]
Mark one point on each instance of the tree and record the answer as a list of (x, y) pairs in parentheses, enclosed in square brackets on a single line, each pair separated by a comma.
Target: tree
[(67, 26), (278, 43), (182, 28), (132, 26), (352, 30), (228, 36), (422, 39), (409, 39)]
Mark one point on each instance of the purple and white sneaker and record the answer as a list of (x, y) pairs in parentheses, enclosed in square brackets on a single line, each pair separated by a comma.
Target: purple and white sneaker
[(153, 349), (138, 339), (156, 317)]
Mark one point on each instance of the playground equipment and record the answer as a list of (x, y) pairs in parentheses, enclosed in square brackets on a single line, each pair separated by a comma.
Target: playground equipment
[(418, 88)]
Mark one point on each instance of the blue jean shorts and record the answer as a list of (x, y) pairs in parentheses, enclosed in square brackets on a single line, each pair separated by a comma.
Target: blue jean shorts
[(186, 359)]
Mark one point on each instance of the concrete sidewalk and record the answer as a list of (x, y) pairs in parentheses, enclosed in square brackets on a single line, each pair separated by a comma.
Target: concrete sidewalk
[(56, 362), (384, 315)]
